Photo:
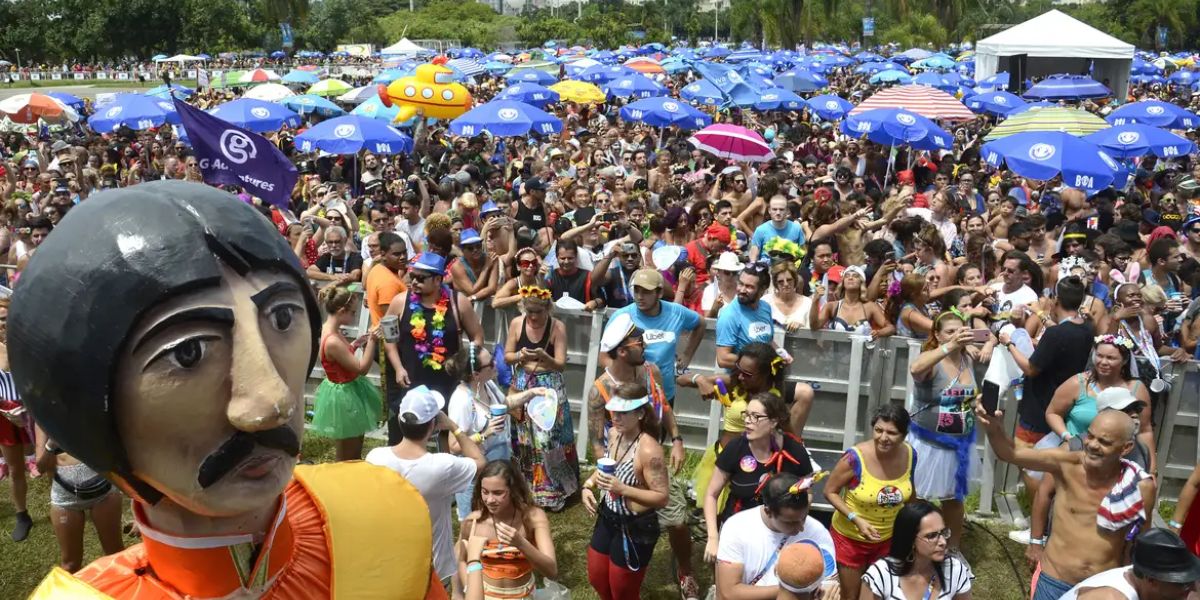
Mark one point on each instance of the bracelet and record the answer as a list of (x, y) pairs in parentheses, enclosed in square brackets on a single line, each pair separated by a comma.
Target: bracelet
[(474, 566), (694, 376), (850, 517), (454, 432), (1038, 541), (1173, 524), (477, 438), (945, 352)]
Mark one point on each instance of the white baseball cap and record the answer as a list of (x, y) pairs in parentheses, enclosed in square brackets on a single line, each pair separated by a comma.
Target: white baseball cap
[(1118, 398), (422, 403)]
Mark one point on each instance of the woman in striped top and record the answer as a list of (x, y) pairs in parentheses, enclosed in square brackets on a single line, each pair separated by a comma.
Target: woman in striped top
[(918, 567)]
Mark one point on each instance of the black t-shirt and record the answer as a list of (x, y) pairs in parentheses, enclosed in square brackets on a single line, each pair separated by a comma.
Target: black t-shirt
[(534, 218), (1062, 352), (575, 285), (350, 262), (746, 473)]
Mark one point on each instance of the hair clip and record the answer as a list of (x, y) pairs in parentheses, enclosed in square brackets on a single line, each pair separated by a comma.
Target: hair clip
[(776, 365), (805, 484)]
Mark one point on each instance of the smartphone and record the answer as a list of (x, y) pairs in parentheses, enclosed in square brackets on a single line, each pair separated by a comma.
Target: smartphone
[(991, 397), (610, 217), (980, 336)]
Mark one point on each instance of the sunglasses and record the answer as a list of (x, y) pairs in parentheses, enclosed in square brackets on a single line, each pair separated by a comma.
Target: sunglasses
[(420, 279), (741, 373), (472, 247), (525, 264)]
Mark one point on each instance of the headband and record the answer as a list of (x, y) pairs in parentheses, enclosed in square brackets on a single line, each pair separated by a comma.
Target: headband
[(953, 311), (534, 291), (1115, 340)]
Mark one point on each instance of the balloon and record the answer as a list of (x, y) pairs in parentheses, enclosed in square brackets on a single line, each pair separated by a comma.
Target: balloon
[(430, 91)]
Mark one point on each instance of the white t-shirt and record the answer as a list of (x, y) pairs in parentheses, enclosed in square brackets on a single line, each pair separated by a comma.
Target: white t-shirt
[(415, 232), (438, 477), (1005, 302), (746, 540), (472, 416), (879, 579)]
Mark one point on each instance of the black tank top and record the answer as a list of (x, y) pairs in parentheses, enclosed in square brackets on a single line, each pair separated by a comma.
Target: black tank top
[(535, 218), (418, 373), (547, 341)]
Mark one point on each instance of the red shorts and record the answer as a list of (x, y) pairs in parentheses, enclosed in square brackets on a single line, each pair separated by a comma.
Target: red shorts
[(858, 555), (11, 435), (1030, 438)]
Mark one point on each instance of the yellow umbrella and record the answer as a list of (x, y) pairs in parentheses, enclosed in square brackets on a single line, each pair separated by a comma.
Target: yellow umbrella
[(579, 91)]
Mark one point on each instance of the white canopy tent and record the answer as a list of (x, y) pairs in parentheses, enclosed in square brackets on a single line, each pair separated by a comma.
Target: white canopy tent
[(404, 47), (182, 58), (1055, 42)]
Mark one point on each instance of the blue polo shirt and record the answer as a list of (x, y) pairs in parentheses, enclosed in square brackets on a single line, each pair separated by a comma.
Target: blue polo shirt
[(738, 325), (662, 335)]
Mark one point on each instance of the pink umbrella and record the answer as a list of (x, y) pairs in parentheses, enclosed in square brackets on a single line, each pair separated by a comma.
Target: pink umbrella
[(732, 142)]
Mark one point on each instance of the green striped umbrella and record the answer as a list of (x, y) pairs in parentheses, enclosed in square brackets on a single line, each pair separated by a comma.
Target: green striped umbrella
[(1054, 118), (329, 87)]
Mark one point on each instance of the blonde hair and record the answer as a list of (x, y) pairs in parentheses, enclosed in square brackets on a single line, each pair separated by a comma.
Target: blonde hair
[(437, 221), (334, 298), (1153, 294)]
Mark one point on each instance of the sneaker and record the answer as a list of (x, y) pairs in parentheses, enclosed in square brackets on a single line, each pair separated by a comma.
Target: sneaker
[(1020, 536), (22, 527), (689, 589), (31, 467)]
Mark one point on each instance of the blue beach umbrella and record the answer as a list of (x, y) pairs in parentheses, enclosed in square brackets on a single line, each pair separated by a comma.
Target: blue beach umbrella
[(300, 76), (529, 76), (374, 108), (801, 81), (665, 112), (1155, 113), (529, 93), (505, 118), (1042, 155), (256, 115), (996, 103), (1182, 77), (72, 101), (703, 92), (779, 99), (135, 111), (351, 134), (1067, 87), (830, 107), (313, 104), (604, 73), (1132, 140), (890, 76), (897, 127), (633, 86), (162, 91), (999, 81)]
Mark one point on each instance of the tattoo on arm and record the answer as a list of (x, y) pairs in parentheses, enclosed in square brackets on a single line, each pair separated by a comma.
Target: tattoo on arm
[(596, 419), (656, 474)]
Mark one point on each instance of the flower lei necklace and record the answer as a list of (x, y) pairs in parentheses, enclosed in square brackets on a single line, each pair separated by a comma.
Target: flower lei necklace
[(432, 352)]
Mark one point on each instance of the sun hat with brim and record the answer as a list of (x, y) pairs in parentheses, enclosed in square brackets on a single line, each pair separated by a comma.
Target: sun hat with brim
[(623, 405), (1161, 555), (728, 261), (619, 329)]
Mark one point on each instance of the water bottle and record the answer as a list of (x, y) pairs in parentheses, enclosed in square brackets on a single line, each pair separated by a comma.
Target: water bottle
[(1018, 387)]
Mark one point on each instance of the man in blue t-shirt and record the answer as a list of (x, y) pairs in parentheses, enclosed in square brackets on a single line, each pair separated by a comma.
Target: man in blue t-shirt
[(747, 320), (663, 323), (777, 226)]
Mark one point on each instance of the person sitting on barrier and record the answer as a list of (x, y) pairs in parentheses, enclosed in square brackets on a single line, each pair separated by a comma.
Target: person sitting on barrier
[(752, 542), (1102, 498), (536, 347), (633, 486), (943, 425), (906, 306), (625, 345), (867, 488), (529, 272), (473, 274), (852, 312), (347, 405), (516, 538), (763, 449), (920, 563), (790, 308)]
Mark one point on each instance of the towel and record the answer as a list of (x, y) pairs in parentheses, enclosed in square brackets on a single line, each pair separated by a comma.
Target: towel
[(1124, 504)]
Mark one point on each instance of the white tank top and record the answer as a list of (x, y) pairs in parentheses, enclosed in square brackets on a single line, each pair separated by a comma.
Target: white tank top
[(1112, 578)]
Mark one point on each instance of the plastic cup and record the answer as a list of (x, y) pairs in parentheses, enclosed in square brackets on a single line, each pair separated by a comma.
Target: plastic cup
[(606, 465), (391, 328), (498, 410)]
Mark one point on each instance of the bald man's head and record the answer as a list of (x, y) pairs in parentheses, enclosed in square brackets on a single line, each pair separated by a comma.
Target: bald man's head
[(1110, 437)]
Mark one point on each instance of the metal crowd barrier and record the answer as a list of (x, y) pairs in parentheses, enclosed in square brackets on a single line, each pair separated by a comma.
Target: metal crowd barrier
[(851, 376)]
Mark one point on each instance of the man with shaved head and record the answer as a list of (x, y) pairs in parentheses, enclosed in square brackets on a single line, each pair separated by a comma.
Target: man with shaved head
[(1101, 496)]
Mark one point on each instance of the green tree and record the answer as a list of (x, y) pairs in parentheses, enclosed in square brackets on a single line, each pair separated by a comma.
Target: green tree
[(1178, 16), (284, 11)]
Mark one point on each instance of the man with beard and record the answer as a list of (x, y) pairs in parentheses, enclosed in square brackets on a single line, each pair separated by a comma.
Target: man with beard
[(188, 394), (748, 319), (336, 265), (1101, 497), (624, 343), (614, 282)]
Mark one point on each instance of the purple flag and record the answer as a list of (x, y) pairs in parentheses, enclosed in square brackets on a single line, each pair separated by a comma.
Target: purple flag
[(228, 154)]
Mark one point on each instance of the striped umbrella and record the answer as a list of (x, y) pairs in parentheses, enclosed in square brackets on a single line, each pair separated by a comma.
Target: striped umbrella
[(28, 108), (1055, 118), (259, 76), (928, 102), (645, 65), (467, 66), (329, 87)]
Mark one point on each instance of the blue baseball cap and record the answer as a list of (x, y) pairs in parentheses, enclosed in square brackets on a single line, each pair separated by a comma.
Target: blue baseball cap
[(489, 207), (428, 261), (469, 236)]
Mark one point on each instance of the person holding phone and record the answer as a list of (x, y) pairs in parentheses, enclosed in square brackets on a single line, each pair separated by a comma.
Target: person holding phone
[(943, 423), (347, 406)]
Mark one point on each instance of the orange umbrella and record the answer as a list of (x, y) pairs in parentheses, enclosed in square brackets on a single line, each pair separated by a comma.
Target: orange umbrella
[(28, 108), (646, 66)]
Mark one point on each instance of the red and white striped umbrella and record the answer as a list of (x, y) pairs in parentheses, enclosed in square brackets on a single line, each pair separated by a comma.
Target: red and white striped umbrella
[(732, 142), (259, 76), (29, 108), (928, 102)]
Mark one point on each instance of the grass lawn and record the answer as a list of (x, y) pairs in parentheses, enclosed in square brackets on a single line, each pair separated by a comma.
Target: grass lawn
[(26, 563)]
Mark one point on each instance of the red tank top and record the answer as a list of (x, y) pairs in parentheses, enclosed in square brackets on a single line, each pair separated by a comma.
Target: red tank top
[(334, 371)]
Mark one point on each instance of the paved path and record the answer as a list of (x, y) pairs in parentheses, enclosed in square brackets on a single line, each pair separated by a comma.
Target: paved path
[(77, 90)]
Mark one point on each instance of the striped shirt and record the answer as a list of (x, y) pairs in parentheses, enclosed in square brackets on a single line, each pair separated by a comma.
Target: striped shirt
[(886, 586)]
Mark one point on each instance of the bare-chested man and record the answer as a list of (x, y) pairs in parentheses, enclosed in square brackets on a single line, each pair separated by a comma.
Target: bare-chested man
[(1082, 544)]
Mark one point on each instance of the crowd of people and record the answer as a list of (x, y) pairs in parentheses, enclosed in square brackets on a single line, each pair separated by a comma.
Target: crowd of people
[(1090, 297)]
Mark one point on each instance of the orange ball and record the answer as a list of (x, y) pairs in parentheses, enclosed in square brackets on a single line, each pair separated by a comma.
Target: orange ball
[(800, 566)]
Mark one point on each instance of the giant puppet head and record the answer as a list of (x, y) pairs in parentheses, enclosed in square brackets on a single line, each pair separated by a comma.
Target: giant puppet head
[(163, 336)]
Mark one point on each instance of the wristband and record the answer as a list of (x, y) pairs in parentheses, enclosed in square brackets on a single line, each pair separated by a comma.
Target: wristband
[(477, 438), (1173, 524), (694, 376), (1039, 541), (945, 352), (850, 517), (474, 566)]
